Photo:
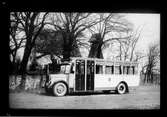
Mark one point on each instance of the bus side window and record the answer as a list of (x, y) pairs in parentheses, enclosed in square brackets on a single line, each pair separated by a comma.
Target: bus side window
[(117, 69), (131, 70), (127, 69), (99, 69), (136, 70), (120, 70), (112, 69), (109, 70), (124, 70)]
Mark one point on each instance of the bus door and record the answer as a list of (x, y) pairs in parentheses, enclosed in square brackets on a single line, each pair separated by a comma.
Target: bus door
[(90, 75), (80, 75)]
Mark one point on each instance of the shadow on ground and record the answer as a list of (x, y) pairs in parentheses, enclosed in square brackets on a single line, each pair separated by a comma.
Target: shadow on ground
[(82, 93)]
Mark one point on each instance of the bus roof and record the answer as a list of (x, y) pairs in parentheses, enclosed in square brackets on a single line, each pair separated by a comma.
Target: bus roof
[(107, 62)]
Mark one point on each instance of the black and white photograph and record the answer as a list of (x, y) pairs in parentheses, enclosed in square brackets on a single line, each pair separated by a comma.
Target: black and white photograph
[(84, 60)]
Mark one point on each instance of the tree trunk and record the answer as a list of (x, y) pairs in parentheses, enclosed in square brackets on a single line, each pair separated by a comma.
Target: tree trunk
[(99, 52), (120, 54), (131, 56), (23, 81), (75, 50), (95, 51), (66, 51), (70, 47), (152, 78), (149, 76), (24, 62), (145, 78)]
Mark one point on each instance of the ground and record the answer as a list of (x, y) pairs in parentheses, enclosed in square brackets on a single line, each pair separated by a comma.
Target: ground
[(142, 97)]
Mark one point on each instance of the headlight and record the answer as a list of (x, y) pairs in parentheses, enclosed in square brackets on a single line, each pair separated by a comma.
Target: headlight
[(48, 83)]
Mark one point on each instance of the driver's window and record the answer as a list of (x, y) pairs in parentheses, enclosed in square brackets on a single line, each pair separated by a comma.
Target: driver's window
[(62, 69), (68, 69)]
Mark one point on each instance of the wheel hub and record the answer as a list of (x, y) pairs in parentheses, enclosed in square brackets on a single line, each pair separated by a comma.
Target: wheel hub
[(60, 89), (121, 88)]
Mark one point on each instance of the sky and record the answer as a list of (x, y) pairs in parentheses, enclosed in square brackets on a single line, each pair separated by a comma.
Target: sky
[(151, 30)]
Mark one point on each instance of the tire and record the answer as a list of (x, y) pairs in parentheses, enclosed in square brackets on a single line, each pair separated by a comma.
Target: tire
[(59, 89), (121, 88)]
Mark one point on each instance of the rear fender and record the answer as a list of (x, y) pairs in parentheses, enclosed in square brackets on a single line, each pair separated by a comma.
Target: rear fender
[(127, 87)]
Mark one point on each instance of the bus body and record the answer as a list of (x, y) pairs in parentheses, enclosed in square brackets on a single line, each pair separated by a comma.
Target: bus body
[(89, 75)]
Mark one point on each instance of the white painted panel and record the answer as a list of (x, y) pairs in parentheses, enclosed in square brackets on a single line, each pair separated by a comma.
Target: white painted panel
[(107, 80), (101, 81), (71, 80), (132, 80), (115, 80)]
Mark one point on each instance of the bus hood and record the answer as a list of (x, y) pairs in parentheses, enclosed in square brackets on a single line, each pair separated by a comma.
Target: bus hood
[(53, 78), (58, 76)]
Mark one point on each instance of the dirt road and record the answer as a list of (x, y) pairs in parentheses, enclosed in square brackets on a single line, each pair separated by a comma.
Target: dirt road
[(143, 97)]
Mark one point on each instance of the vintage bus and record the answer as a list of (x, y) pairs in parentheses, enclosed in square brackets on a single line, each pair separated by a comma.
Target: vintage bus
[(90, 75)]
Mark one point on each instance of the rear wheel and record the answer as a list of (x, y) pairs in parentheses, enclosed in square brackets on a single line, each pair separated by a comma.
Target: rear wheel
[(121, 88), (59, 89)]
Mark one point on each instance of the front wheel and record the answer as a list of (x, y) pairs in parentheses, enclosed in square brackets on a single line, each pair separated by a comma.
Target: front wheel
[(59, 89), (121, 88)]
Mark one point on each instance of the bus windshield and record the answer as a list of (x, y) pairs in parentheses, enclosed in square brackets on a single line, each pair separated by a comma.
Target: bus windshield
[(65, 69), (59, 68)]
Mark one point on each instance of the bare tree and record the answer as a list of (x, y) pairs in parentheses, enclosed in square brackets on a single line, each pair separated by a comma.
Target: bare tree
[(31, 23), (138, 56), (72, 26), (134, 41), (153, 62), (15, 42), (109, 23), (49, 42), (127, 47)]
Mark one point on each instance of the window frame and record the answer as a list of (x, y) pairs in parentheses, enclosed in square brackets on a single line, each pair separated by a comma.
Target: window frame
[(111, 71)]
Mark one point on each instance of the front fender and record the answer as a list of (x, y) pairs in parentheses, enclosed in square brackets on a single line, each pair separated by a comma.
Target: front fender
[(54, 78)]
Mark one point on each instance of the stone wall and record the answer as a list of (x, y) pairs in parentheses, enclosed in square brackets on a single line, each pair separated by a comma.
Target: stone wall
[(32, 81)]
